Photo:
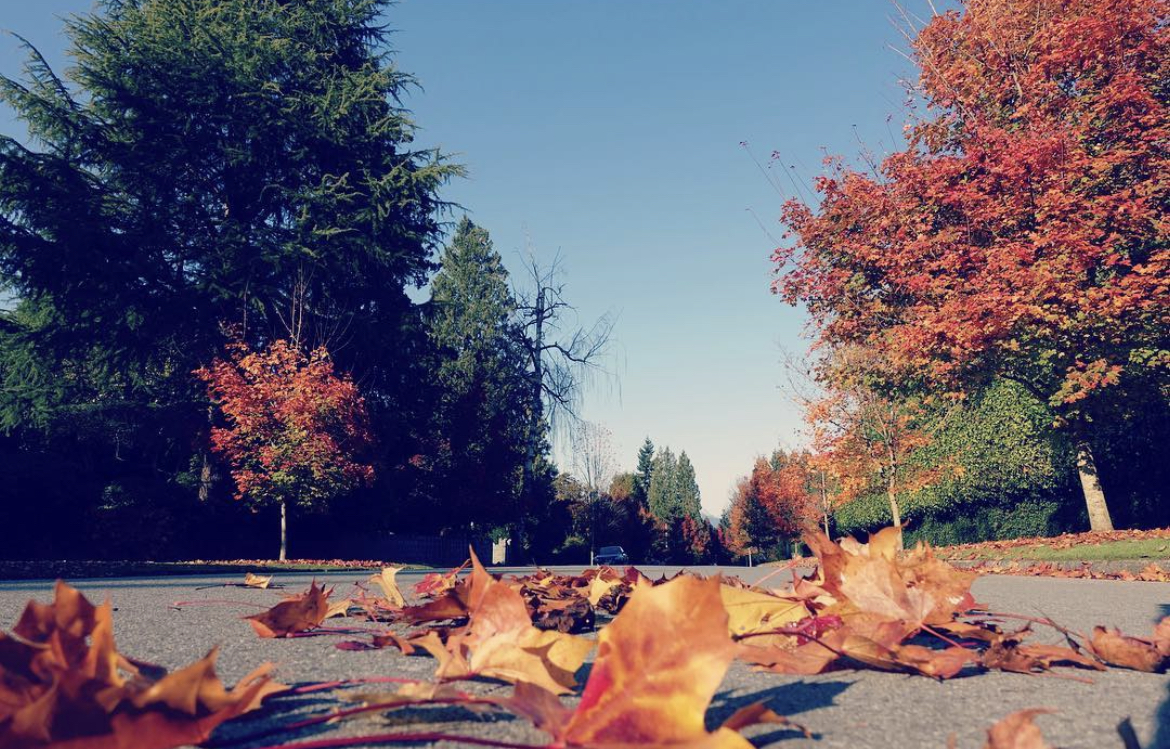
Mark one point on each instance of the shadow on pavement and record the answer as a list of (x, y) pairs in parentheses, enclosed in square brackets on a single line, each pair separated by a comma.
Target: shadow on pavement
[(788, 700)]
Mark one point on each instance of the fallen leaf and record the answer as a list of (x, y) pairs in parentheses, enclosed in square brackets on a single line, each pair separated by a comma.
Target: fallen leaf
[(1117, 649), (658, 665), (338, 608), (388, 582), (754, 612), (256, 581), (63, 683), (298, 614), (1017, 731), (500, 642)]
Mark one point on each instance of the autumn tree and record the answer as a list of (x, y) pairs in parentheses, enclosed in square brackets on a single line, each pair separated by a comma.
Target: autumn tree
[(863, 437), (295, 431), (777, 502), (1021, 233)]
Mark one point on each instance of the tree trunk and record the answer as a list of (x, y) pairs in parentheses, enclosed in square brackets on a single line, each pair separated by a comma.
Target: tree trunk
[(895, 511), (825, 504), (283, 530), (205, 479), (1099, 518), (892, 492)]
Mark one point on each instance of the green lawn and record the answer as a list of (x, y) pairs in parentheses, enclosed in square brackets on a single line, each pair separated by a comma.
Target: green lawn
[(1151, 548)]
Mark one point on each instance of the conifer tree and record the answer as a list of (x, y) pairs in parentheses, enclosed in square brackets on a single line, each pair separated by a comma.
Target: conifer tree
[(643, 474), (689, 501), (662, 495), (479, 425)]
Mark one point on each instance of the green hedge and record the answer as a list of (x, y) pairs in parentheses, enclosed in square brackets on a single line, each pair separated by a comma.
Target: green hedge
[(1016, 476)]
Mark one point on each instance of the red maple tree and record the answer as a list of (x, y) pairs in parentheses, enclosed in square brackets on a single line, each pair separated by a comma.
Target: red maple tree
[(779, 500), (1022, 232), (295, 428)]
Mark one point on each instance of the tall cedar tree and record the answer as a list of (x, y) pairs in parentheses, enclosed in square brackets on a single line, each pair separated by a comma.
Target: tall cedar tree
[(1022, 232), (480, 425), (643, 474), (208, 162), (296, 431)]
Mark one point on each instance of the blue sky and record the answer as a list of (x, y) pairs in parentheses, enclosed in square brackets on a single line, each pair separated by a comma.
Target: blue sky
[(609, 131)]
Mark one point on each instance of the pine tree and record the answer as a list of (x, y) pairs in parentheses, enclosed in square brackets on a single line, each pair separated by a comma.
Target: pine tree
[(689, 501), (643, 474)]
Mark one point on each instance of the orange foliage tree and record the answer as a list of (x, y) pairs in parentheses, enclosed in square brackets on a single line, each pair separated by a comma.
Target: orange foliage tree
[(779, 500), (295, 430), (1021, 233)]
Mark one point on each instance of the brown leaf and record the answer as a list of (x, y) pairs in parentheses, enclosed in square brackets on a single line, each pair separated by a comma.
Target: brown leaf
[(658, 665), (808, 659), (338, 608), (1162, 636), (751, 611), (1117, 649), (1017, 731), (256, 581), (298, 614), (65, 684), (500, 641), (388, 582)]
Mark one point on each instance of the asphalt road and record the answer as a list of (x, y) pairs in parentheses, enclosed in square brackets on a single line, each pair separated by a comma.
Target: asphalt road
[(843, 709)]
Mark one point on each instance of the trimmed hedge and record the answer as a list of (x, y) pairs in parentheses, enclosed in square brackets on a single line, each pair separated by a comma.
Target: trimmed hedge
[(1016, 477)]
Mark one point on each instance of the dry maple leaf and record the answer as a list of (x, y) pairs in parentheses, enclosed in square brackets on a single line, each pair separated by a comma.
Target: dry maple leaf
[(1017, 731), (756, 612), (298, 614), (435, 583), (1117, 649), (256, 581), (63, 683), (658, 665), (387, 580), (339, 609), (500, 641)]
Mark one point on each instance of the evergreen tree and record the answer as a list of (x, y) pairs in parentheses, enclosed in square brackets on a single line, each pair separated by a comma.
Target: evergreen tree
[(662, 496), (479, 424), (643, 473), (689, 502)]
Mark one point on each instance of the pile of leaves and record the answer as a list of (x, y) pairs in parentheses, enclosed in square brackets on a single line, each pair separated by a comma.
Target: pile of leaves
[(63, 682), (670, 641), (1151, 573), (1063, 541)]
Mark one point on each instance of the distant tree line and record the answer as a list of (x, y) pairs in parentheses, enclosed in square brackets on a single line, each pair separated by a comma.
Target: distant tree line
[(654, 513)]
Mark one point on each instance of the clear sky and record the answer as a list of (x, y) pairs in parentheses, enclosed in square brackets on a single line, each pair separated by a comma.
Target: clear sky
[(609, 131)]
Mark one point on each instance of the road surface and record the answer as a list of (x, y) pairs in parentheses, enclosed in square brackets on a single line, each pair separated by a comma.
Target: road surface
[(844, 708)]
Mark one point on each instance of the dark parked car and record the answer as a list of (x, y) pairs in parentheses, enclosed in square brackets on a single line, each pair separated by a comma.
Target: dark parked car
[(611, 555)]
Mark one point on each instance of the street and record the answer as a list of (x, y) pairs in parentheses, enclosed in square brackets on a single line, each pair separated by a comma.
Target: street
[(843, 708)]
